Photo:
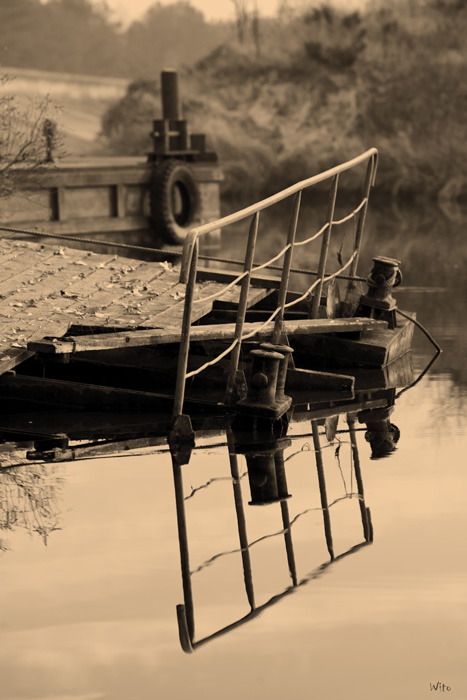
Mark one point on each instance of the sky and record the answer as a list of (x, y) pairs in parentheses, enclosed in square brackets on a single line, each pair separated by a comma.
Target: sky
[(127, 10)]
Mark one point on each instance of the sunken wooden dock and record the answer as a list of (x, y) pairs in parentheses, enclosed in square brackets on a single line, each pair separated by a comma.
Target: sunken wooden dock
[(103, 302), (46, 290)]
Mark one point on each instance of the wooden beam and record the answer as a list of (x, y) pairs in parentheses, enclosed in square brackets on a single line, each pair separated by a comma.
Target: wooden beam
[(59, 393), (312, 380), (228, 276), (108, 341)]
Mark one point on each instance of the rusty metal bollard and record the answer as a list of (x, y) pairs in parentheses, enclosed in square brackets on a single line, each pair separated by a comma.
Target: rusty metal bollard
[(378, 302), (384, 276), (382, 435), (286, 351), (266, 471), (262, 399)]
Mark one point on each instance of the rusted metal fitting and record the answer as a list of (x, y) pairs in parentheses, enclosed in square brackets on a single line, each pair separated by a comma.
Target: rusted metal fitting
[(261, 398), (266, 471), (384, 276), (286, 351), (382, 435)]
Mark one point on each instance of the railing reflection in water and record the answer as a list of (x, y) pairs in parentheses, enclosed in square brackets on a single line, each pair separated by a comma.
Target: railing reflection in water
[(264, 453)]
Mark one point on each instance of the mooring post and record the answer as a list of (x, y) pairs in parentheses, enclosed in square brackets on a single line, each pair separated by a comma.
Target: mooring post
[(261, 398), (171, 108)]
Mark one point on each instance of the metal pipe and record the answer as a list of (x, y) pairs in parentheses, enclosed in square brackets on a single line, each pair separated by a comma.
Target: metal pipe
[(325, 247), (241, 522), (288, 542), (288, 192), (242, 305), (358, 476), (369, 182), (185, 339), (169, 92), (286, 267), (183, 545), (322, 488)]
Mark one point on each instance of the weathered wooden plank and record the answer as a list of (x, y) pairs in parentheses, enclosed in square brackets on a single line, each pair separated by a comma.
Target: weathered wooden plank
[(12, 357), (54, 282), (317, 412), (53, 392), (199, 333), (63, 393), (232, 296), (227, 276), (371, 350), (13, 344), (84, 226), (29, 264), (114, 293)]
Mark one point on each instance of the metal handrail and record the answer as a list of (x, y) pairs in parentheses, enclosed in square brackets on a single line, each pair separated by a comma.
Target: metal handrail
[(190, 263)]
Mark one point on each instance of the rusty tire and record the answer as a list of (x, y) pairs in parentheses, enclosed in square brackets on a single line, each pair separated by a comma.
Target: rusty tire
[(174, 200)]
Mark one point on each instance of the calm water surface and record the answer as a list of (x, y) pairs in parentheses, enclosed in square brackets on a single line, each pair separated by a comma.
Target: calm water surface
[(90, 587)]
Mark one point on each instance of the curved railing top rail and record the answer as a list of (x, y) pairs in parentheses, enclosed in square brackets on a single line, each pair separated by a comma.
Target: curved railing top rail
[(283, 194), (195, 233)]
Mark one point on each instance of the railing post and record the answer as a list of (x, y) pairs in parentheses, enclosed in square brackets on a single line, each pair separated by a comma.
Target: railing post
[(322, 488), (186, 330), (278, 325), (325, 248), (358, 475), (241, 520), (185, 612), (369, 182), (242, 307)]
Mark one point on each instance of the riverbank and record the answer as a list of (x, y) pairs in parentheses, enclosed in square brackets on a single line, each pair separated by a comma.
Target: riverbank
[(321, 87)]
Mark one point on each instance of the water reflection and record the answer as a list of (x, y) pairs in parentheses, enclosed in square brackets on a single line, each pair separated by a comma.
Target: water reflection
[(263, 446), (261, 457), (30, 498)]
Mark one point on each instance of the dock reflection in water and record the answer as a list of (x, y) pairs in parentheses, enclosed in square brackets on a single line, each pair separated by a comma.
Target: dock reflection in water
[(30, 491), (263, 445)]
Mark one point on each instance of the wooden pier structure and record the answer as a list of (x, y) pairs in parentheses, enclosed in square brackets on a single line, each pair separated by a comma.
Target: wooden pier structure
[(96, 331), (47, 291)]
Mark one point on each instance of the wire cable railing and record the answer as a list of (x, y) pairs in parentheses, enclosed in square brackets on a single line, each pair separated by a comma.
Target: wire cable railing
[(190, 257)]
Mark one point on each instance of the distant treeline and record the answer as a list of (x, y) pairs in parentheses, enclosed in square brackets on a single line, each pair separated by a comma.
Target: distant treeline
[(78, 36), (312, 88), (280, 98)]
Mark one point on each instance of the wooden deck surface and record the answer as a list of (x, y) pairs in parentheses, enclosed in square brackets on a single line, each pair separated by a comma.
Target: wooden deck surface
[(46, 289)]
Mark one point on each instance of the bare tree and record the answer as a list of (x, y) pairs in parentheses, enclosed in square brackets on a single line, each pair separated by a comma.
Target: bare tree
[(28, 137), (255, 28), (241, 18)]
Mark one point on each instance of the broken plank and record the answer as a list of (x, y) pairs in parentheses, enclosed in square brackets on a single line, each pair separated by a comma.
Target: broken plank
[(227, 276), (10, 358), (107, 341)]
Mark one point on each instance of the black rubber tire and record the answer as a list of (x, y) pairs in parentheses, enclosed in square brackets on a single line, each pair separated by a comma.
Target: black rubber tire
[(174, 200)]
